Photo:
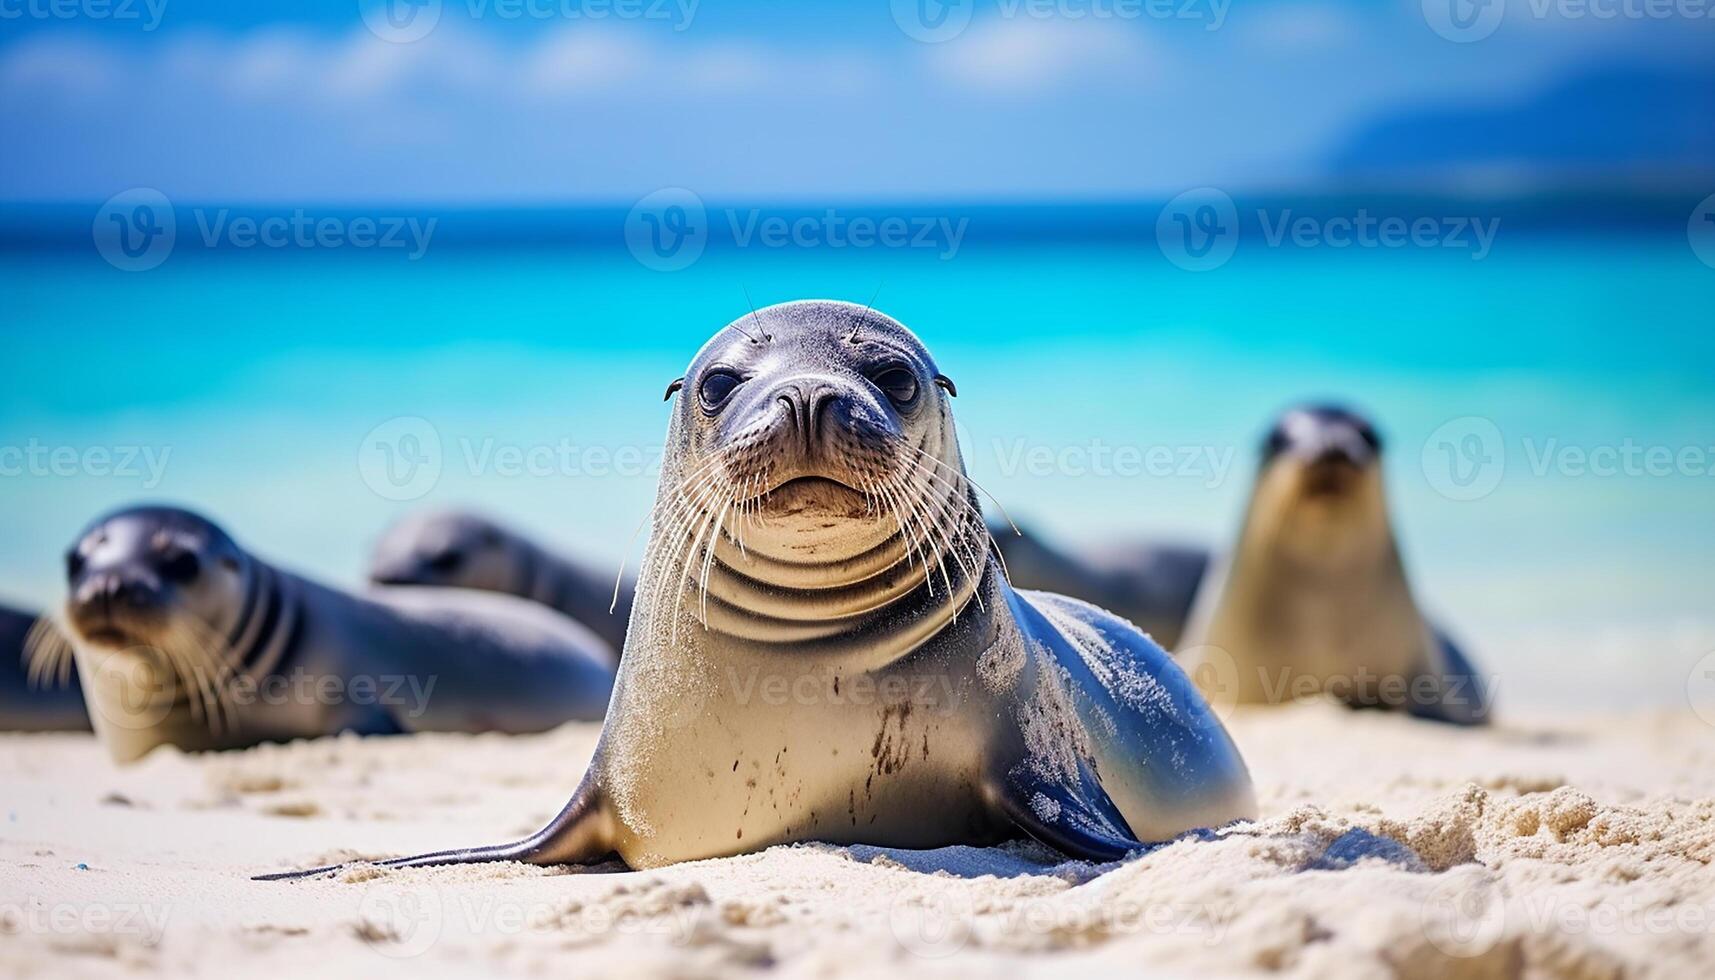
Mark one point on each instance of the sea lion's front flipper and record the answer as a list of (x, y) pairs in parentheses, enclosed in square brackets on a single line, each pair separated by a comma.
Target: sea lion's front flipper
[(581, 834), (1079, 819)]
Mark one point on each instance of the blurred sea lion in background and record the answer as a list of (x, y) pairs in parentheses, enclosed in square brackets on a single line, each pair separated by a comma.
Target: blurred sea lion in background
[(1314, 597), (1153, 586), (468, 551), (40, 700), (182, 637)]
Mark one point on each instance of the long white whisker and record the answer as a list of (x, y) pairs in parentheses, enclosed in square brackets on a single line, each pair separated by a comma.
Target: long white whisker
[(977, 514), (967, 478), (946, 521)]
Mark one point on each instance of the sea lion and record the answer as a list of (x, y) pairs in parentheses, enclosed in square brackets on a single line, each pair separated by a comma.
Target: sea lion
[(34, 700), (464, 550), (1314, 597), (1150, 584), (824, 647), (182, 637)]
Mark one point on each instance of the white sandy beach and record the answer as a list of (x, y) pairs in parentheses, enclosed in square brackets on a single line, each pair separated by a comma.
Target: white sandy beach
[(1574, 847)]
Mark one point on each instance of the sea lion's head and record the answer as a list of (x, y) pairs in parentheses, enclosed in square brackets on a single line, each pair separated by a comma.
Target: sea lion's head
[(153, 577), (812, 484), (821, 425), (1318, 499), (161, 607), (448, 548)]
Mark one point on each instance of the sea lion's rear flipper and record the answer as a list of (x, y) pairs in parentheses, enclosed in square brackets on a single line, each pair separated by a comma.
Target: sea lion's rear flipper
[(581, 834), (1459, 694), (1079, 820)]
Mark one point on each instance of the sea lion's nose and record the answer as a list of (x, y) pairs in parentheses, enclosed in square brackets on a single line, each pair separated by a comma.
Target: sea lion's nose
[(1342, 447), (115, 588), (807, 400), (1334, 453)]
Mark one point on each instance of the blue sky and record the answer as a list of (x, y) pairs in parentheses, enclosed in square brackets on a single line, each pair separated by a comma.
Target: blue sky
[(285, 103)]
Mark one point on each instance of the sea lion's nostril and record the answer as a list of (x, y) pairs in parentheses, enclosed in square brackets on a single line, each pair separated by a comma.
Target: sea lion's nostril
[(444, 562), (134, 594), (816, 402), (123, 590), (1334, 453)]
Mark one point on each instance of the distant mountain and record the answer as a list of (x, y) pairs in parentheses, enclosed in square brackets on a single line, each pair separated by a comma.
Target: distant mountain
[(1615, 127)]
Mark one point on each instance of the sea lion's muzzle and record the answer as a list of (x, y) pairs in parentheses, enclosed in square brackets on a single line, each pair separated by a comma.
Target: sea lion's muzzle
[(111, 607), (1333, 471), (123, 582), (812, 431)]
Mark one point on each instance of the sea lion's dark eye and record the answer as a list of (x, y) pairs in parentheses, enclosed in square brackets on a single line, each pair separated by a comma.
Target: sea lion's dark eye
[(445, 562), (897, 383), (74, 564), (1371, 438), (180, 566), (1275, 444), (717, 387)]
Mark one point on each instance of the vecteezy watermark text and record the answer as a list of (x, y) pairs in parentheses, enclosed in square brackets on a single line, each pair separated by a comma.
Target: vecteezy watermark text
[(669, 229), (1209, 464), (146, 13), (403, 922), (935, 21), (146, 687), (1466, 458), (1465, 21), (300, 230), (125, 462), (1201, 229), (404, 21), (403, 458), (1364, 230), (139, 920), (138, 229)]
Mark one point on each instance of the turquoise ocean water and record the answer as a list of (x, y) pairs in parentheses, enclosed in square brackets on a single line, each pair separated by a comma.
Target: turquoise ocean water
[(253, 382)]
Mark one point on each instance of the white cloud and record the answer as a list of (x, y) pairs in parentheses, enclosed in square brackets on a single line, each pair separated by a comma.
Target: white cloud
[(359, 69), (573, 61), (259, 64), (1021, 54)]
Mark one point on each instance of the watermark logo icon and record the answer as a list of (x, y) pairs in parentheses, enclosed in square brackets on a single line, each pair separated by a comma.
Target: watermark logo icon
[(1462, 917), (1700, 230), (1198, 230), (1464, 21), (932, 21), (1216, 675), (400, 922), (400, 459), (668, 229), (931, 926), (1700, 689), (135, 229), (1464, 459), (400, 21), (138, 688)]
